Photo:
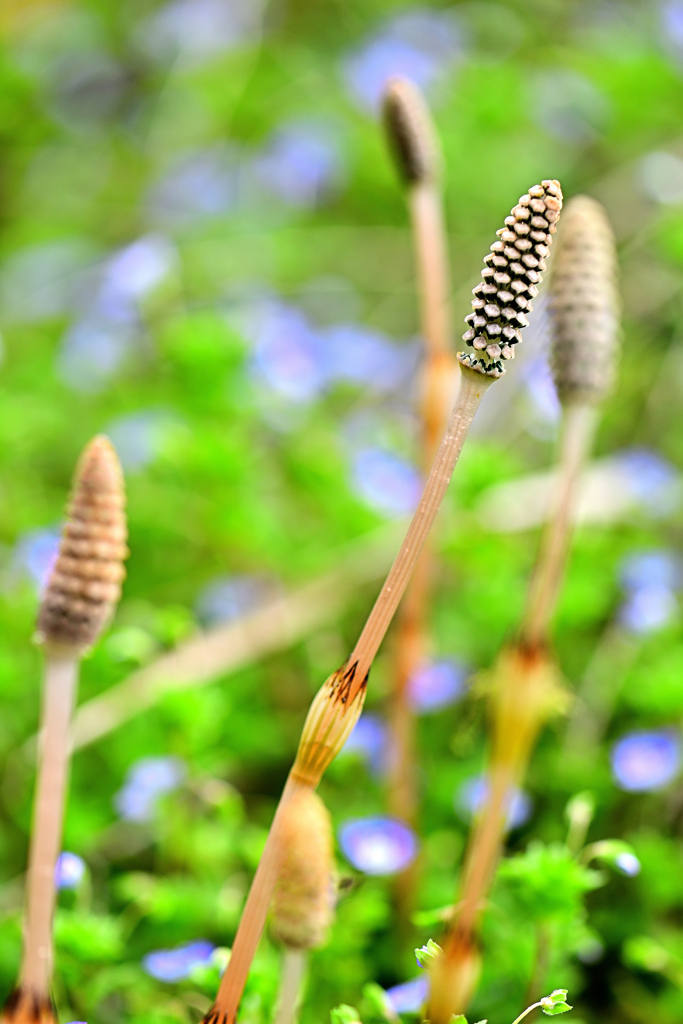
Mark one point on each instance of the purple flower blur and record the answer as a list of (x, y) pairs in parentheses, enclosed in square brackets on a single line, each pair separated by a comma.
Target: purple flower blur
[(69, 871), (420, 44), (647, 609), (436, 685), (378, 846), (628, 864), (361, 356), (197, 186), (229, 597), (300, 164), (410, 996), (369, 740), (130, 274), (91, 352), (147, 780), (651, 480), (287, 351), (648, 760), (540, 390), (473, 793), (195, 30), (656, 568), (176, 964), (386, 482), (35, 554)]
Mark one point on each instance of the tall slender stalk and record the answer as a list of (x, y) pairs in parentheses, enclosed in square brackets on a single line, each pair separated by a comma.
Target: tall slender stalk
[(412, 138), (293, 971), (79, 599), (337, 705), (525, 688)]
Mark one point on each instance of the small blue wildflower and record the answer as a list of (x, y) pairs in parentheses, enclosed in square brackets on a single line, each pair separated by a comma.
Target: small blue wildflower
[(175, 964), (436, 685), (628, 863), (473, 793), (655, 568), (196, 187), (147, 780), (288, 353), (300, 164), (192, 31), (410, 996), (131, 273), (362, 356), (69, 871), (650, 480), (369, 739), (35, 554), (646, 760), (378, 846), (388, 483), (647, 609)]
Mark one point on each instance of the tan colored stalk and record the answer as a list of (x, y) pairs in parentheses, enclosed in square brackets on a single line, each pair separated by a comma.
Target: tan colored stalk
[(525, 686), (412, 138), (79, 599), (293, 972), (337, 705)]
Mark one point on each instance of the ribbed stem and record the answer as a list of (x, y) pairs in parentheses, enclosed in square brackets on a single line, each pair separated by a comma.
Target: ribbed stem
[(470, 392), (429, 239), (61, 675), (579, 424), (293, 971), (253, 919)]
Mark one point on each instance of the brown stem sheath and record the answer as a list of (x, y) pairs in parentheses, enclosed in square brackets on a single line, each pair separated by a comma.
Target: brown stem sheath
[(61, 674)]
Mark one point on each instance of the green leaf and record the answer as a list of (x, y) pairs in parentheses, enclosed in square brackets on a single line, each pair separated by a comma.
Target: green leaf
[(556, 1002), (344, 1014), (425, 955)]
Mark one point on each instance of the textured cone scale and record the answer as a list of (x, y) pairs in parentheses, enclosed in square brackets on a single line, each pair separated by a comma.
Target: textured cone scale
[(302, 903), (85, 583), (510, 279), (410, 132), (584, 303), (24, 1008)]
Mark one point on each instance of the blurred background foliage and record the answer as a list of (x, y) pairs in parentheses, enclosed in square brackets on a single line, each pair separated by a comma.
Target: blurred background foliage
[(205, 254)]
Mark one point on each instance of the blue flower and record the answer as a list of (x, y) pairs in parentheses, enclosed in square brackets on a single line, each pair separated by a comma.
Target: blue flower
[(650, 480), (229, 597), (378, 846), (288, 353), (196, 187), (540, 390), (386, 482), (473, 793), (192, 31), (91, 352), (647, 609), (369, 739), (361, 356), (300, 164), (131, 273), (35, 554), (655, 568), (420, 44), (69, 871), (628, 864), (147, 780), (410, 996), (643, 761), (176, 964), (436, 685)]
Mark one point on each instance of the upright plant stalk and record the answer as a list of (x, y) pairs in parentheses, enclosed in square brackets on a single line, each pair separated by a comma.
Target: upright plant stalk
[(303, 899), (337, 705), (81, 594), (412, 138), (524, 685)]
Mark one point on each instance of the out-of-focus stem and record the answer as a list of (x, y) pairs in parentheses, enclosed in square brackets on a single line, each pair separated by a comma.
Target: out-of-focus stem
[(61, 674), (578, 430), (293, 970), (424, 200), (470, 393)]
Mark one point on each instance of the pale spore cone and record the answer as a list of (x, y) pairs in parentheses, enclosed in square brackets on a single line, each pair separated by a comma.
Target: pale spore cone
[(583, 301), (514, 269), (410, 131), (85, 583), (303, 900), (23, 1007)]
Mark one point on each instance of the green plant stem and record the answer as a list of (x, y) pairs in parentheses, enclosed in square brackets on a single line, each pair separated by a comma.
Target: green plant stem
[(59, 690), (578, 430), (524, 1013), (293, 971)]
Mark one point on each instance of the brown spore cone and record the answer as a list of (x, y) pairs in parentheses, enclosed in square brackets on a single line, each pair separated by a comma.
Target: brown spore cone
[(514, 269), (85, 583), (303, 898), (583, 302), (23, 1007), (410, 131)]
